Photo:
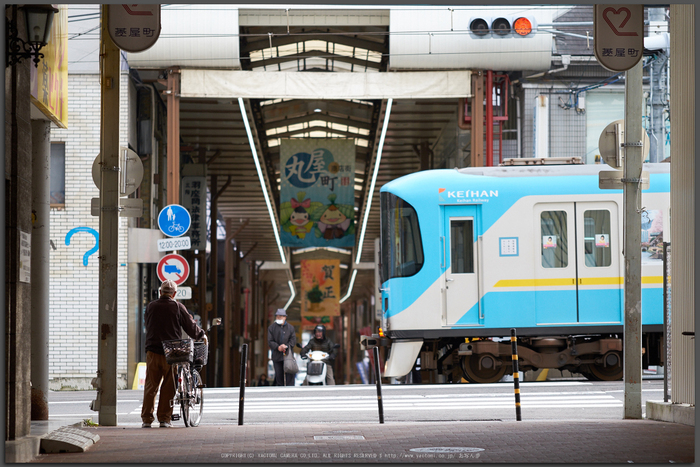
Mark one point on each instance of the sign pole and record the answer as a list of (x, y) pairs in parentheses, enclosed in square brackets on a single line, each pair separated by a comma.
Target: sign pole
[(619, 44), (106, 380), (632, 199)]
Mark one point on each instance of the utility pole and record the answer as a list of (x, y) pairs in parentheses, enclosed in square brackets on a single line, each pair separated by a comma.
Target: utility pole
[(106, 381), (631, 200)]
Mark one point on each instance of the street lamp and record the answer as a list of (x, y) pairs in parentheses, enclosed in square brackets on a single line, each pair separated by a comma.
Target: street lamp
[(38, 22)]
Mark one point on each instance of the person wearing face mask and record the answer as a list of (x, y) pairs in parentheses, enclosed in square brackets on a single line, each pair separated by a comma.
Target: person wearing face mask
[(281, 339)]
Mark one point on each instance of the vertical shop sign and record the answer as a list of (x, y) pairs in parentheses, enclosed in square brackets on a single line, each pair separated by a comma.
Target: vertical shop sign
[(49, 80), (194, 199)]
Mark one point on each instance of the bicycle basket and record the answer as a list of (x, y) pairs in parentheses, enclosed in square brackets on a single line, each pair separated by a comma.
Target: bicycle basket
[(178, 350), (201, 352), (314, 368)]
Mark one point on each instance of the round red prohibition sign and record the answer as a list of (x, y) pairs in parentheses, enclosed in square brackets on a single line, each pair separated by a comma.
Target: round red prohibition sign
[(173, 267)]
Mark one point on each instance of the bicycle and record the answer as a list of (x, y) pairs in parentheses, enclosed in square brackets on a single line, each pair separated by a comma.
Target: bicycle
[(187, 358), (176, 228)]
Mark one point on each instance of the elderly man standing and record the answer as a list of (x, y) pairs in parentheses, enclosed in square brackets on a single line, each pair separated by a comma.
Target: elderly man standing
[(165, 319), (281, 339)]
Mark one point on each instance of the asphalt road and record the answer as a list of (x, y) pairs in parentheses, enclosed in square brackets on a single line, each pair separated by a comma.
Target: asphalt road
[(575, 400)]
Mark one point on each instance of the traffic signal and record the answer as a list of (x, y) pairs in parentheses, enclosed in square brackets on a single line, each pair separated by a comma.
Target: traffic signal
[(502, 26)]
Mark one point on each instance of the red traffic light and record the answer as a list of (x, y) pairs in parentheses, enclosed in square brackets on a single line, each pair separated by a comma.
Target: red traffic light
[(522, 26)]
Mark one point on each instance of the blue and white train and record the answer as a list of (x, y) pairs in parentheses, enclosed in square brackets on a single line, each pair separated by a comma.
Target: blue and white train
[(468, 254)]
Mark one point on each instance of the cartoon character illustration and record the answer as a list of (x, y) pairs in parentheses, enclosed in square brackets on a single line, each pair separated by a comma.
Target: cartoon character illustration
[(335, 221), (295, 215)]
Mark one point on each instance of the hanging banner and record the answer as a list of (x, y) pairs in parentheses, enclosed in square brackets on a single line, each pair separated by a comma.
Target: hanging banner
[(317, 194), (320, 287), (308, 323)]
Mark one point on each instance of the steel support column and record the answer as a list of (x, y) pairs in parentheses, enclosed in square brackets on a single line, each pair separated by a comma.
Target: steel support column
[(477, 122), (489, 118), (228, 304), (173, 141)]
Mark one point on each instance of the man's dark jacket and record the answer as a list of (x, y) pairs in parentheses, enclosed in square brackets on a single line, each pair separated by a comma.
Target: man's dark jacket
[(278, 335), (164, 319)]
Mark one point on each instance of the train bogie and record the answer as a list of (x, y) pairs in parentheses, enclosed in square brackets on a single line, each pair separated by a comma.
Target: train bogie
[(469, 254)]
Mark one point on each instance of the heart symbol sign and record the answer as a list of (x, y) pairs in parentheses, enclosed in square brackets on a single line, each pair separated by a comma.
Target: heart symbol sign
[(610, 14)]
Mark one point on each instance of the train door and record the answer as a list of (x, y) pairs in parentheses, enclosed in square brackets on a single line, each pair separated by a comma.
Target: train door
[(460, 257), (599, 277), (555, 264), (577, 277)]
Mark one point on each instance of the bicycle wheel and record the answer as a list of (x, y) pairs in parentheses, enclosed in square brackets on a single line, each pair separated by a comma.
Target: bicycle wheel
[(197, 399), (185, 383)]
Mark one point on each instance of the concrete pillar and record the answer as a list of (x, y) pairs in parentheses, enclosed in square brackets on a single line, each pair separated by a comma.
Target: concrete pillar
[(18, 195), (41, 152), (684, 179)]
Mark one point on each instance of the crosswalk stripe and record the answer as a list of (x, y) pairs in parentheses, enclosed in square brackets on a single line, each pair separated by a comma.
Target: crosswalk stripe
[(499, 401)]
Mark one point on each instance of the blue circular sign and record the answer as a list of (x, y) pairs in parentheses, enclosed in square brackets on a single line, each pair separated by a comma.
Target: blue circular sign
[(174, 220)]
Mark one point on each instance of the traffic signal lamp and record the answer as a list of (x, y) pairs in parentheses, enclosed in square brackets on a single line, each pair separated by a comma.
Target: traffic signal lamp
[(502, 26)]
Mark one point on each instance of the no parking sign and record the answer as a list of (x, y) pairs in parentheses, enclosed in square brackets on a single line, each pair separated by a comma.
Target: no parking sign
[(173, 267)]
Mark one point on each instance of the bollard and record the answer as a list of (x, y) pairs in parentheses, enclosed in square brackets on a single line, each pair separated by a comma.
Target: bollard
[(241, 392), (516, 374), (378, 379)]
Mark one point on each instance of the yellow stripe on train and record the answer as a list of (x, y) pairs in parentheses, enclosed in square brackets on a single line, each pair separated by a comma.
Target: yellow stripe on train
[(571, 281)]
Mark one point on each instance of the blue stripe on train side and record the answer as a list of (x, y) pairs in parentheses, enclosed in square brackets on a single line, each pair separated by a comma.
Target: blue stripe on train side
[(421, 190)]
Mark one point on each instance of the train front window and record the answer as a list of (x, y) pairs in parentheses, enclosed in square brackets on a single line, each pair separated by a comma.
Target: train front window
[(402, 249)]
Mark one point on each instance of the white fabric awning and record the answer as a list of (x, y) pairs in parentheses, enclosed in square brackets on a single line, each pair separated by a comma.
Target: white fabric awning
[(324, 85)]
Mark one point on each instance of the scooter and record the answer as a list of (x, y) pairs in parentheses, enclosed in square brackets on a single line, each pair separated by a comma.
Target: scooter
[(316, 368)]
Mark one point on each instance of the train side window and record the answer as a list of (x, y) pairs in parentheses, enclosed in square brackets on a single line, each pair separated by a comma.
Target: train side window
[(554, 246), (462, 246), (596, 238)]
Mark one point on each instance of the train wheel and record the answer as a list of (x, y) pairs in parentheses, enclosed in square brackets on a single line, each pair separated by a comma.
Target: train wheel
[(612, 370), (482, 369)]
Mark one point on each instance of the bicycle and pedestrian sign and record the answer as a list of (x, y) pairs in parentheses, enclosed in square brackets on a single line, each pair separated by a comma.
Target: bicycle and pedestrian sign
[(174, 220), (173, 267)]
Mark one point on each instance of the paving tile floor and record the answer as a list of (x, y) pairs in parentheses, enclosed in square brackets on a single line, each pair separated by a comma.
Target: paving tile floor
[(604, 441)]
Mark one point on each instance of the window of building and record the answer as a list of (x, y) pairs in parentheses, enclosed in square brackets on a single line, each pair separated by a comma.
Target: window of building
[(58, 174)]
